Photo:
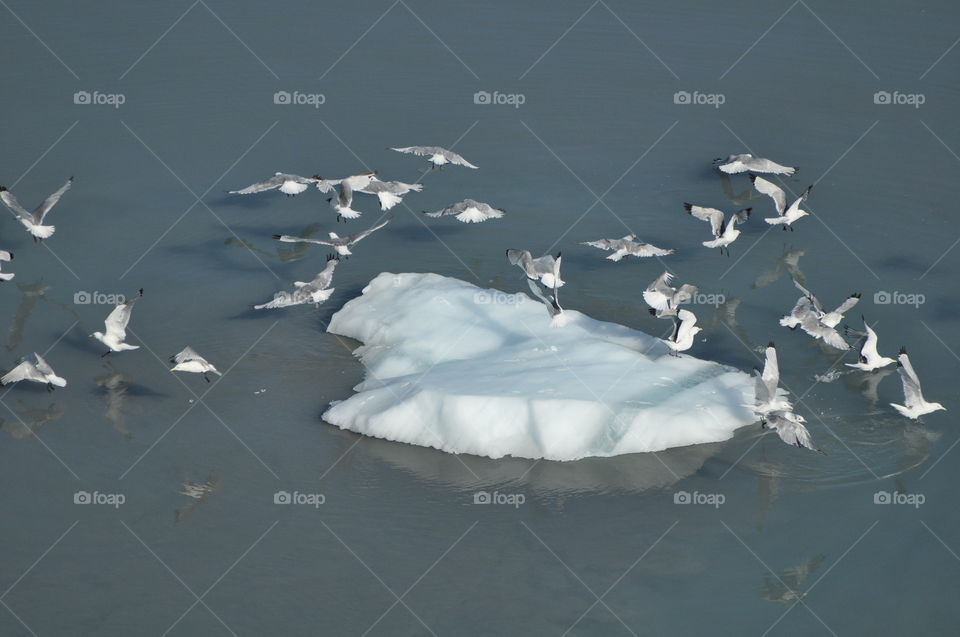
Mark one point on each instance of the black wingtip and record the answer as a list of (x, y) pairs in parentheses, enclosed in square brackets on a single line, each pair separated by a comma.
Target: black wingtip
[(652, 311), (687, 206), (903, 350), (276, 236), (753, 178), (855, 295), (770, 344)]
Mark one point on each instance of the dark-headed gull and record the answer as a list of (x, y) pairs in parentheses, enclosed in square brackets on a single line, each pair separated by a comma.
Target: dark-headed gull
[(316, 291), (541, 268), (628, 245), (723, 235), (116, 326), (436, 156), (914, 404), (745, 162), (188, 360), (468, 211), (338, 243), (33, 221), (36, 370), (869, 358)]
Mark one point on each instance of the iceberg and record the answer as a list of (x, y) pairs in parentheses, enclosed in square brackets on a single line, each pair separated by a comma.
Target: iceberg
[(466, 370)]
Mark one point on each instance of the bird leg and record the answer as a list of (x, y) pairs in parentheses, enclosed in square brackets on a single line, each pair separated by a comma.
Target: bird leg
[(105, 353), (206, 378), (49, 388)]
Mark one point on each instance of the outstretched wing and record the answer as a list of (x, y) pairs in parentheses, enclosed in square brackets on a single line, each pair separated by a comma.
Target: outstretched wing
[(116, 322), (11, 202), (712, 215), (261, 186), (455, 158), (912, 394), (772, 190), (360, 235), (50, 202), (807, 293)]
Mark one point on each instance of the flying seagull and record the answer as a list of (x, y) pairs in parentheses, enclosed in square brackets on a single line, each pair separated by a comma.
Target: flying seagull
[(6, 255), (36, 370), (33, 221), (437, 156), (553, 306), (914, 403), (541, 268), (116, 326), (830, 319), (746, 162), (785, 215), (627, 245), (288, 184), (790, 427), (723, 236), (390, 193), (338, 243), (664, 299), (189, 361), (769, 396), (342, 202), (684, 329), (806, 316), (316, 291), (869, 359), (468, 211)]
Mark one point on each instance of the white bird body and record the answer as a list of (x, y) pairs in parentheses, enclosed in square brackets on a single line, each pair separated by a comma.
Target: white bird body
[(791, 214), (745, 162), (683, 332), (287, 183), (188, 360), (914, 404), (116, 327), (468, 211), (664, 299), (338, 243), (628, 245), (316, 291), (436, 155), (790, 427), (343, 202), (723, 235), (390, 193), (769, 397), (541, 268), (6, 255), (33, 221), (870, 358), (36, 370)]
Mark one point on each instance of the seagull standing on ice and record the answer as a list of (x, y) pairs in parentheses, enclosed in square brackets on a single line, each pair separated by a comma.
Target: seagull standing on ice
[(437, 156), (769, 397), (338, 243), (116, 327), (869, 359), (36, 370), (628, 245), (33, 221), (316, 291), (390, 193), (344, 200), (288, 184), (468, 211), (914, 404), (789, 426), (541, 268), (189, 361), (723, 235), (785, 216), (664, 299), (746, 162), (6, 256), (684, 329)]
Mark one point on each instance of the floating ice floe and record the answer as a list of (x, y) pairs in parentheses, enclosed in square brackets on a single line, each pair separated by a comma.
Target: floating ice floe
[(467, 370)]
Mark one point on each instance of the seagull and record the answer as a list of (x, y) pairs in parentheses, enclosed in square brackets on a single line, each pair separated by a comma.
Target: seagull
[(789, 426), (541, 268), (684, 329), (438, 156), (663, 299), (806, 316), (830, 319), (628, 245), (723, 235), (870, 359), (116, 327), (316, 291), (746, 162), (288, 184), (338, 243), (6, 255), (390, 193), (785, 216), (36, 370), (189, 361), (553, 306), (344, 200), (914, 403), (33, 221), (770, 397), (468, 211)]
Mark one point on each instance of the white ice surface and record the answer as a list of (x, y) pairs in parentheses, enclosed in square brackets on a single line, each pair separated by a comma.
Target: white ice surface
[(466, 370)]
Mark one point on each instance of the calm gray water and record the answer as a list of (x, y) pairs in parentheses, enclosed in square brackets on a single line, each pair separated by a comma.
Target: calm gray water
[(599, 547)]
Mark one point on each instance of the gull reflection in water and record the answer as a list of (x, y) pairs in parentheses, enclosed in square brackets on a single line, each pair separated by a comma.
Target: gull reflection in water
[(785, 587), (31, 293), (284, 251), (788, 262), (29, 419), (199, 491)]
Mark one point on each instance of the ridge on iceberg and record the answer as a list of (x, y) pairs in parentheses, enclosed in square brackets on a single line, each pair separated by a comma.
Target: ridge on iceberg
[(467, 370)]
